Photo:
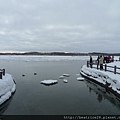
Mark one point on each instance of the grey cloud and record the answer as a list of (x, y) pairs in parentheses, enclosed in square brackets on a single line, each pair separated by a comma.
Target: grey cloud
[(59, 25)]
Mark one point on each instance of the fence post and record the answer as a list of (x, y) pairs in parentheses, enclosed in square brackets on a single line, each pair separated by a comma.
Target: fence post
[(87, 64), (91, 65), (4, 72), (97, 66), (105, 67), (114, 69), (0, 74)]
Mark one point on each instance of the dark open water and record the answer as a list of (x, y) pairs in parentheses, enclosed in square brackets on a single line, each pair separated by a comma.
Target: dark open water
[(72, 98)]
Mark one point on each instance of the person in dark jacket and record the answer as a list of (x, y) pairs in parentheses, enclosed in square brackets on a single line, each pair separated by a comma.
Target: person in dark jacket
[(91, 61), (98, 60), (101, 60)]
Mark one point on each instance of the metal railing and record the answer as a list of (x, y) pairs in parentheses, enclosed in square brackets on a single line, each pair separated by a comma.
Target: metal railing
[(2, 73), (113, 69)]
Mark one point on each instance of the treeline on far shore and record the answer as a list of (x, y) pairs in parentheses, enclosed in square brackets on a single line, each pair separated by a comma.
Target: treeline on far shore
[(62, 53)]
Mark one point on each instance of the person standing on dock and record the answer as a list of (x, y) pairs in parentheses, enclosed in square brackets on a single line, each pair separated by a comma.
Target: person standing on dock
[(98, 60), (91, 61), (101, 60)]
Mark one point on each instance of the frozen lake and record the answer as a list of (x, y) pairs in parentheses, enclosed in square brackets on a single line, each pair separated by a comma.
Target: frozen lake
[(72, 98)]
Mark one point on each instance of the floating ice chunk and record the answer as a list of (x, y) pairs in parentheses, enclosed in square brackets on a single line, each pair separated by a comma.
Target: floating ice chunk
[(49, 82), (80, 78), (78, 74), (65, 80), (66, 75), (62, 77)]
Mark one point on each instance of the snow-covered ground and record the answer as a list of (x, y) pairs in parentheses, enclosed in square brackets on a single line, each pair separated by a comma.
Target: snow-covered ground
[(7, 87), (107, 78)]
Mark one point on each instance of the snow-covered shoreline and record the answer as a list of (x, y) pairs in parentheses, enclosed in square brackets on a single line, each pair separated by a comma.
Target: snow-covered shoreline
[(108, 80), (7, 87)]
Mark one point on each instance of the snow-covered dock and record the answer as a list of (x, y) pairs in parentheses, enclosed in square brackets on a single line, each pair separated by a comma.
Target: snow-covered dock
[(106, 79)]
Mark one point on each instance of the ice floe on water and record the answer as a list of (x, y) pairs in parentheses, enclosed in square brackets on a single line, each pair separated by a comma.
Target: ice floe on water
[(49, 82), (47, 58), (78, 74), (66, 75), (80, 78), (106, 78), (65, 80), (61, 77), (41, 58)]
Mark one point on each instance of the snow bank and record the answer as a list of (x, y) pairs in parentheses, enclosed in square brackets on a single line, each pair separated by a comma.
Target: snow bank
[(7, 87), (108, 79)]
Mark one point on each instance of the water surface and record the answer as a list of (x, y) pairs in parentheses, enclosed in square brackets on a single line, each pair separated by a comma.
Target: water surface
[(72, 98)]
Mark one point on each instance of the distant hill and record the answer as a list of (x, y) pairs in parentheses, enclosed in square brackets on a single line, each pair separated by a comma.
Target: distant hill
[(62, 53), (46, 53), (98, 53)]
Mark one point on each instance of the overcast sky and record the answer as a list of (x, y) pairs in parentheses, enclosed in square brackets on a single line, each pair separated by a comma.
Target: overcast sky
[(60, 25)]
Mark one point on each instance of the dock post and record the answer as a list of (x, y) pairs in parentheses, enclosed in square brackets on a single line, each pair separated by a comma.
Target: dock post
[(97, 66), (87, 63), (114, 69), (105, 67), (0, 74), (4, 72)]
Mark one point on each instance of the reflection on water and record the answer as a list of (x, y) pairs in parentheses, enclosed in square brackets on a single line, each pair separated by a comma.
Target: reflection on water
[(102, 93), (5, 105)]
